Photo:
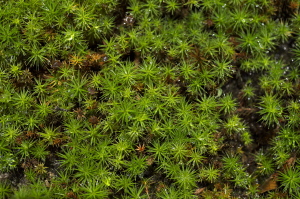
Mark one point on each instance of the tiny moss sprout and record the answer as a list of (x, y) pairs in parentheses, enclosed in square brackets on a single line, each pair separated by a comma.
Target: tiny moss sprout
[(94, 190), (210, 174), (271, 109), (228, 104), (185, 178), (40, 152), (234, 125), (5, 190), (290, 180), (249, 43), (265, 165), (231, 163)]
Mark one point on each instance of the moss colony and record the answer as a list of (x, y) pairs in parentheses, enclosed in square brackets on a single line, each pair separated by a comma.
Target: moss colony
[(149, 99)]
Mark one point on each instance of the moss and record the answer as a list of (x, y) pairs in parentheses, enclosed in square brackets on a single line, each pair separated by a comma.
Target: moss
[(150, 98)]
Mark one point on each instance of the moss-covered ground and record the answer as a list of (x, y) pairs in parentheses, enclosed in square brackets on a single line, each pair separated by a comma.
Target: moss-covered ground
[(149, 99)]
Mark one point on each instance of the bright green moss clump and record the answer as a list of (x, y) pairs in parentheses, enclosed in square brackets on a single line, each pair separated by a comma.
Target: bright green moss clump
[(149, 99)]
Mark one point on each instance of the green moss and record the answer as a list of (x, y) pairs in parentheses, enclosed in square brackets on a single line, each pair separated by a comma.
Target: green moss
[(141, 99)]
